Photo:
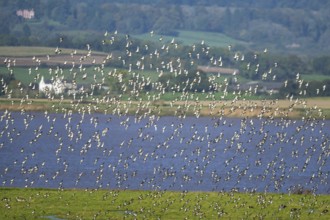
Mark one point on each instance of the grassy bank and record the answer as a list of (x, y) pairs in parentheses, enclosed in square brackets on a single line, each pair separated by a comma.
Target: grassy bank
[(115, 204), (316, 108)]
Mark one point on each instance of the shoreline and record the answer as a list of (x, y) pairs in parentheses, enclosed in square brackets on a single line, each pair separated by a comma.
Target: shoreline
[(304, 191), (316, 108)]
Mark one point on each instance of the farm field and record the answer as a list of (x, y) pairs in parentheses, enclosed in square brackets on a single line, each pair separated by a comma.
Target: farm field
[(34, 59), (195, 37), (315, 77), (31, 72), (40, 57), (12, 51), (27, 74)]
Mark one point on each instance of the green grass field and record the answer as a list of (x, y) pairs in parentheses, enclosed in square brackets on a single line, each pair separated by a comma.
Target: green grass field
[(196, 37), (315, 77), (128, 204), (27, 75), (31, 74)]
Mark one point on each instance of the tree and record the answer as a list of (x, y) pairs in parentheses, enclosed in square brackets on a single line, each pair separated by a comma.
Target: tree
[(289, 89), (26, 30), (321, 65)]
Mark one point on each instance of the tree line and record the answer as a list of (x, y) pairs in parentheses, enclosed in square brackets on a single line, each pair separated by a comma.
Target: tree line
[(283, 23)]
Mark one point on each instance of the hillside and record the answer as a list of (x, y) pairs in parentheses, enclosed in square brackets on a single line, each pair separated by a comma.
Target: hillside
[(300, 27)]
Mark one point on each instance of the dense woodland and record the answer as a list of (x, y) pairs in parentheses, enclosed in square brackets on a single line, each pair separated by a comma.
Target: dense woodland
[(282, 24)]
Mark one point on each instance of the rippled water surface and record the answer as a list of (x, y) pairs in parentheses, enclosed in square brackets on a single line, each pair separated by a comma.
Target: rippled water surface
[(204, 154)]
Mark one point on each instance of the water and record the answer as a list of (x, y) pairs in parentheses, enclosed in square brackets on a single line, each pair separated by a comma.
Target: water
[(166, 153)]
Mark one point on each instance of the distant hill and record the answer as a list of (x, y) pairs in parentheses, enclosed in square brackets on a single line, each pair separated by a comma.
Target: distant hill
[(301, 27)]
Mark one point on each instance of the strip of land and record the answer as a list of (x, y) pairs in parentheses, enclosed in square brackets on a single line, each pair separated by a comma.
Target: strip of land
[(35, 56), (316, 108)]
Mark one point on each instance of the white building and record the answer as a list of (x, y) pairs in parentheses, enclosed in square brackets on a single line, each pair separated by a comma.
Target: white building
[(45, 87), (25, 13), (56, 87)]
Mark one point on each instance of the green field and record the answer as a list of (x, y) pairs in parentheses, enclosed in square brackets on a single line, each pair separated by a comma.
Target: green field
[(196, 37), (315, 77), (27, 75), (117, 204), (94, 74)]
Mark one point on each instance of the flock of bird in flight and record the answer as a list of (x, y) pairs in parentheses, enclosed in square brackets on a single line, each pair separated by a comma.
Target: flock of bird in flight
[(196, 149)]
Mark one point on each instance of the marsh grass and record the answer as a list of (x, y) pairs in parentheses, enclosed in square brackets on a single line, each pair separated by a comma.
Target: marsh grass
[(18, 203)]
